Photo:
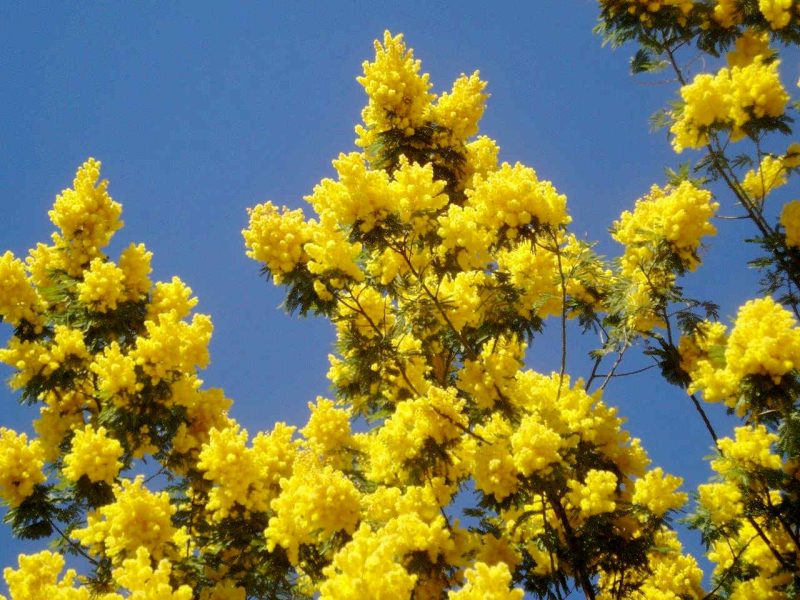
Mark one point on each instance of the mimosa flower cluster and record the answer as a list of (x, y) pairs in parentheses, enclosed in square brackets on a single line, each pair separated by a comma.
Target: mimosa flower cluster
[(747, 513), (111, 358), (764, 342), (728, 100), (706, 14), (434, 262)]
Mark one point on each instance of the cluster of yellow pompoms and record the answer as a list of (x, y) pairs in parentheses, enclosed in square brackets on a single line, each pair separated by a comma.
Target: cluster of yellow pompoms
[(728, 99)]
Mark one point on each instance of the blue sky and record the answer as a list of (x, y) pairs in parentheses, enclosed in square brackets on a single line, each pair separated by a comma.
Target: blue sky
[(199, 110)]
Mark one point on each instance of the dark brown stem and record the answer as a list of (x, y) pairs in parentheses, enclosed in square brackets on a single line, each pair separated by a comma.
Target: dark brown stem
[(616, 364), (774, 551), (563, 281), (579, 563), (729, 570), (704, 416), (74, 545), (627, 373), (786, 527), (463, 428), (593, 374)]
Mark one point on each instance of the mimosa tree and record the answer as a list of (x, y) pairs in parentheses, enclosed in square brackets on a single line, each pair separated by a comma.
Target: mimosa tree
[(441, 465)]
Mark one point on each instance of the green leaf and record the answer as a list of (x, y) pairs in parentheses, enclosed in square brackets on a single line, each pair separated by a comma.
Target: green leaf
[(643, 62)]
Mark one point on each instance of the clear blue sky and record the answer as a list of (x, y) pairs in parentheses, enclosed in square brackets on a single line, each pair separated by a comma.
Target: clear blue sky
[(199, 110)]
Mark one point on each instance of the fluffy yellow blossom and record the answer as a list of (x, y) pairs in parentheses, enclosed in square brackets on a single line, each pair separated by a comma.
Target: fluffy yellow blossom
[(723, 501), (425, 501), (173, 297), (703, 358), (138, 576), (460, 110), (494, 550), (463, 298), (680, 216), (672, 574), (63, 412), (481, 159), (778, 13), (102, 286), (224, 590), (205, 410), (596, 494), (398, 94), (68, 344), (707, 101), (330, 252), (86, 216), (37, 578), (534, 270), (276, 238), (314, 503), (171, 345), (752, 447), (645, 10), (578, 416), (115, 372), (726, 13), (93, 454), (32, 359), (137, 518), (135, 264), (535, 446), (748, 547), (730, 98), (18, 298), (416, 194), (490, 375), (757, 92), (765, 340), (771, 174), (328, 428), (790, 219), (42, 261), (486, 582), (791, 160), (360, 196), (492, 464), (435, 417), (516, 197), (373, 563), (463, 234), (367, 567), (20, 466), (367, 311), (749, 45), (386, 266), (658, 492), (246, 477), (629, 455), (276, 453), (761, 586)]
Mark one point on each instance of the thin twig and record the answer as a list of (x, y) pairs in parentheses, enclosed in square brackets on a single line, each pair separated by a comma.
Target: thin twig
[(75, 545), (627, 373)]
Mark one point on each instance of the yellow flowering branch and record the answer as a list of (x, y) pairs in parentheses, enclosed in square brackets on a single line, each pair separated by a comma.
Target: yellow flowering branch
[(722, 167)]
